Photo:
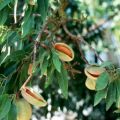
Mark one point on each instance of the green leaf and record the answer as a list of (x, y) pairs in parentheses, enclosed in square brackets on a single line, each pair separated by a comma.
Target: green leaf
[(5, 104), (50, 75), (17, 55), (63, 81), (99, 96), (28, 22), (27, 26), (102, 81), (106, 63), (43, 8), (12, 115), (117, 83), (23, 74), (111, 95), (44, 66), (4, 15), (42, 56), (4, 3), (56, 61)]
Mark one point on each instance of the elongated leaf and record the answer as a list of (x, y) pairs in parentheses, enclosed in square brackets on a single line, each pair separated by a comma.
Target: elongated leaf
[(3, 3), (27, 26), (43, 8), (56, 61), (4, 15), (63, 81), (117, 84), (99, 96), (5, 104), (17, 55), (42, 57), (28, 22), (23, 74), (44, 66), (12, 115), (50, 75), (102, 81), (111, 95)]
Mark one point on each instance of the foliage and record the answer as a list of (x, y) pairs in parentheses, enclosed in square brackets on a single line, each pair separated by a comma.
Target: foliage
[(29, 30)]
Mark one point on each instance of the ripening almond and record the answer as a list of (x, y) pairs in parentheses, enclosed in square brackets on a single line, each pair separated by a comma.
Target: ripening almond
[(93, 71), (90, 84), (32, 97), (24, 110), (65, 52)]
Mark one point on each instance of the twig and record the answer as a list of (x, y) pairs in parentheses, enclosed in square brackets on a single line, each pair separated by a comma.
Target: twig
[(26, 82), (99, 26), (82, 55), (80, 39), (15, 11), (36, 41)]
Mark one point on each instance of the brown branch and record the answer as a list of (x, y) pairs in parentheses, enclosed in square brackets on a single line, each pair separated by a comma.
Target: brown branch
[(80, 39), (98, 26)]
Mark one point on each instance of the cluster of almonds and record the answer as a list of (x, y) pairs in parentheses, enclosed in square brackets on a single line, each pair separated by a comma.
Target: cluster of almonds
[(93, 72), (24, 110)]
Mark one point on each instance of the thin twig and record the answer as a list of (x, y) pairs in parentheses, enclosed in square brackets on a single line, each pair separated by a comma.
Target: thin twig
[(26, 82), (80, 39), (15, 11), (36, 41), (82, 55)]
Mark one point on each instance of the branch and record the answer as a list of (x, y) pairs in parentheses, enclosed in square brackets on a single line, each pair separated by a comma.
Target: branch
[(78, 39), (38, 40), (99, 26)]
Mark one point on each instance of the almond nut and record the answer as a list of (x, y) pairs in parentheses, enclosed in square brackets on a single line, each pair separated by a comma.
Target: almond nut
[(90, 84), (32, 97), (93, 71), (65, 52)]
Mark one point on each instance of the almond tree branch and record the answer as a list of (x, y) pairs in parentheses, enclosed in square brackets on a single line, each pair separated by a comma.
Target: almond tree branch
[(80, 39)]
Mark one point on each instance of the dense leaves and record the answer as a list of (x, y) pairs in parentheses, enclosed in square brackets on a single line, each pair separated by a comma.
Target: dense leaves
[(24, 39)]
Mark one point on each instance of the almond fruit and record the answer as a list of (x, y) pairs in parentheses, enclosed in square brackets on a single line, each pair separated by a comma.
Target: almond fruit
[(32, 97), (93, 71), (65, 52), (90, 84)]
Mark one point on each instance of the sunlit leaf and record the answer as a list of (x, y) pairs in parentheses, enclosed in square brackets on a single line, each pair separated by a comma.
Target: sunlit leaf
[(5, 104), (3, 3), (111, 95), (62, 79), (99, 96), (56, 61), (102, 81)]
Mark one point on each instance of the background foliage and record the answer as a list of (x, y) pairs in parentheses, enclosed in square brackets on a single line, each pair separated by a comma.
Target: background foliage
[(21, 43)]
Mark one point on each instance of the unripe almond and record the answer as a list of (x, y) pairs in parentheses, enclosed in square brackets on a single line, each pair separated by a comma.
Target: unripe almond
[(24, 110), (65, 52), (93, 71), (32, 97), (90, 84)]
